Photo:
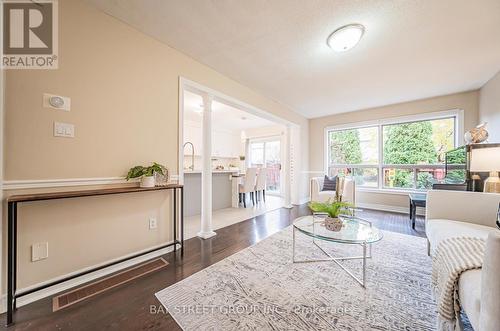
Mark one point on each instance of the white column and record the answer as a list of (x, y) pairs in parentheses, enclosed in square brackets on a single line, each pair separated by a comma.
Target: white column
[(286, 172), (206, 172), (247, 154)]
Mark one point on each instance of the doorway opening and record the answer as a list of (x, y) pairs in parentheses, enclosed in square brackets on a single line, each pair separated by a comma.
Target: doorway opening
[(224, 144)]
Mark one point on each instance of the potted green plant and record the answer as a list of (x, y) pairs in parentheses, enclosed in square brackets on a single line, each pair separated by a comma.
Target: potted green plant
[(146, 174), (333, 210)]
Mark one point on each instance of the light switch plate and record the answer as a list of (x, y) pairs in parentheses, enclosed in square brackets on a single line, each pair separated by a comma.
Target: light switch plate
[(64, 130), (152, 223), (39, 251), (65, 107)]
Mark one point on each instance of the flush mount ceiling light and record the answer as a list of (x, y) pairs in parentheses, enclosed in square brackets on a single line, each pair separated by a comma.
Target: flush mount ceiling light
[(345, 37)]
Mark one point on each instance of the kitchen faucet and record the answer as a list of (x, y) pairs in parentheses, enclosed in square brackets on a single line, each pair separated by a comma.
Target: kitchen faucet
[(192, 153)]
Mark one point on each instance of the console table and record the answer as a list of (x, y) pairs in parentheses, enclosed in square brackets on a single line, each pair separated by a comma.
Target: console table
[(13, 200)]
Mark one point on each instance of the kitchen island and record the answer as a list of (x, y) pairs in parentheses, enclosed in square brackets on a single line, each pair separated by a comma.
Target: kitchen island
[(224, 190)]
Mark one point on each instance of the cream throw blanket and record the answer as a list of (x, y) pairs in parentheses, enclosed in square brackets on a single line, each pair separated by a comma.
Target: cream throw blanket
[(452, 257)]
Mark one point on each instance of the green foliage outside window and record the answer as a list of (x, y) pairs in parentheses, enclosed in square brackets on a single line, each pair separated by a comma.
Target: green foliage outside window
[(414, 143), (456, 157), (345, 147), (409, 143)]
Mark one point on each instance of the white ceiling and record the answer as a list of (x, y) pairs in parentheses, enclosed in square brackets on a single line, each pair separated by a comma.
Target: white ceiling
[(411, 49), (224, 117)]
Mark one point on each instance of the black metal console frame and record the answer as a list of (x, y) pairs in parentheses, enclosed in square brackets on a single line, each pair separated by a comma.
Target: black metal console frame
[(12, 237)]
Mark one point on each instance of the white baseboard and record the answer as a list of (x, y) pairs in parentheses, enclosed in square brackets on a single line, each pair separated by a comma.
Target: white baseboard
[(394, 209), (29, 298), (375, 206)]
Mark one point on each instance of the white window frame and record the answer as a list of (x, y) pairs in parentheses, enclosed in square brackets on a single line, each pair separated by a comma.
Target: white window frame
[(457, 114)]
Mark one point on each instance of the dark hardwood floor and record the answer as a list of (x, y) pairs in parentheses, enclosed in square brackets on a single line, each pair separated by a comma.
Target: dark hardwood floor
[(133, 306)]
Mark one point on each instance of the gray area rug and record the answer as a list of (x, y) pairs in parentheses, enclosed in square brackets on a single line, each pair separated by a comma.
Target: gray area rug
[(259, 288)]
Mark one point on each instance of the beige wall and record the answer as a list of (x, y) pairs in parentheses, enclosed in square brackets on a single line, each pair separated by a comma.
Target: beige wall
[(265, 131), (468, 101), (124, 96), (489, 107), (262, 132)]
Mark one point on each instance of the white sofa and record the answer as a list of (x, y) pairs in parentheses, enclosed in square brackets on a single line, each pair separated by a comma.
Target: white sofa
[(322, 196), (456, 214)]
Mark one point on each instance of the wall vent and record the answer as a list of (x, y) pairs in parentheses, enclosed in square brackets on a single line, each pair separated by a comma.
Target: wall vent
[(91, 289)]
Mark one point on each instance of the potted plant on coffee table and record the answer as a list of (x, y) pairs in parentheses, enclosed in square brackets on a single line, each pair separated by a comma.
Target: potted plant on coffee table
[(146, 174), (333, 209)]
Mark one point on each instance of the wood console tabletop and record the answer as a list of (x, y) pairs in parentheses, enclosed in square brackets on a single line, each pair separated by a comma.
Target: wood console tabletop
[(86, 193)]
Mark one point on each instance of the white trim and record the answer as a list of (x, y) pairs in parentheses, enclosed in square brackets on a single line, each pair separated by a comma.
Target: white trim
[(50, 291), (394, 209), (268, 138), (198, 88), (387, 191), (67, 182), (376, 206)]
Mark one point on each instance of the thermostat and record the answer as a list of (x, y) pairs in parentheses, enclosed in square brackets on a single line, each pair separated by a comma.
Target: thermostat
[(56, 102)]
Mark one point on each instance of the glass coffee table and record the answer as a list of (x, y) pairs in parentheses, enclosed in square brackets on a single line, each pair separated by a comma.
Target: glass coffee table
[(355, 231)]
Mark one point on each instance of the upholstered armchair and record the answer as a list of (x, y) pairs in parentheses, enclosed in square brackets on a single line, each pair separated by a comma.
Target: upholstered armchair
[(318, 195)]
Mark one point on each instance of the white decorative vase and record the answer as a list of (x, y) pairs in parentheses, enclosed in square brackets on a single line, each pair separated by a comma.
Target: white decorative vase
[(148, 181)]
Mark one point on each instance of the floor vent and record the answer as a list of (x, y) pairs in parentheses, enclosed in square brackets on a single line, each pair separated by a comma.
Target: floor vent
[(89, 290)]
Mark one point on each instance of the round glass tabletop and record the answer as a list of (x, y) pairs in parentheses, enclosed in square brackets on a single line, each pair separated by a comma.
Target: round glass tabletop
[(354, 230)]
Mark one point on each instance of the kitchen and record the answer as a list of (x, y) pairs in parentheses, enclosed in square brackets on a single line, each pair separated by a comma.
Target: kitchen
[(239, 141)]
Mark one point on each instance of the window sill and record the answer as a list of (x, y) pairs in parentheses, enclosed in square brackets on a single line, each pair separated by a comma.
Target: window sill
[(388, 191)]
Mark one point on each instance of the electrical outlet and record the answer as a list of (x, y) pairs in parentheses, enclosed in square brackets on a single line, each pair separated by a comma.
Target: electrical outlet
[(152, 223), (39, 251)]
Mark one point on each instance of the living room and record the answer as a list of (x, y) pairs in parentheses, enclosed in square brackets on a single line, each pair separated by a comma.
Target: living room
[(382, 226)]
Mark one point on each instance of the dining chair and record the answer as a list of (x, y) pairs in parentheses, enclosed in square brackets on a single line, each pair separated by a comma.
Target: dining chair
[(261, 184), (248, 186)]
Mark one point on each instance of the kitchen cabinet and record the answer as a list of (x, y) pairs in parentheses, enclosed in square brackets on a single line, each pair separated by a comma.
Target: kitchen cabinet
[(193, 134), (225, 144)]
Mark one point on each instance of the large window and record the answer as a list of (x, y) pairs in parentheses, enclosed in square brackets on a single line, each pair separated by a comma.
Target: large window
[(406, 154), (355, 151)]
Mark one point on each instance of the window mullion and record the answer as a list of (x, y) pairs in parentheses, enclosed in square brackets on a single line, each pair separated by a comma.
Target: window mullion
[(380, 157)]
